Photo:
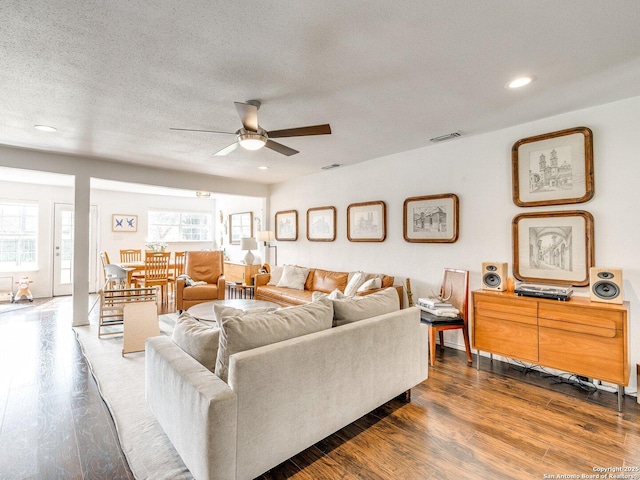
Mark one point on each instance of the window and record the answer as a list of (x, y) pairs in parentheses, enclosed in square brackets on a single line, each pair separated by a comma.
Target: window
[(179, 226), (18, 236)]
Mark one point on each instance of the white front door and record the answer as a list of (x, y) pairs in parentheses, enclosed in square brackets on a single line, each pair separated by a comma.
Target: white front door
[(63, 249)]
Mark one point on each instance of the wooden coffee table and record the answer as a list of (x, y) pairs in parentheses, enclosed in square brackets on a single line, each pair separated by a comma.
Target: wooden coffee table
[(204, 311)]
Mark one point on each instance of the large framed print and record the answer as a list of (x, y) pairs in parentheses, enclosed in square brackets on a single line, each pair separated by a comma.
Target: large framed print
[(553, 169), (124, 223), (240, 226), (553, 247), (287, 225), (321, 224), (367, 222), (431, 219)]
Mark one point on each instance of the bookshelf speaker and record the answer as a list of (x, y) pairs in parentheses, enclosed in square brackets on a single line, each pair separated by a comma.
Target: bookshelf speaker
[(494, 276), (605, 285)]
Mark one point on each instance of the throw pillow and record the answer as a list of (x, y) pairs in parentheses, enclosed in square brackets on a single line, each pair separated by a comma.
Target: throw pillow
[(356, 280), (197, 339), (252, 330), (371, 284), (352, 309), (293, 277), (276, 274), (315, 296), (222, 311)]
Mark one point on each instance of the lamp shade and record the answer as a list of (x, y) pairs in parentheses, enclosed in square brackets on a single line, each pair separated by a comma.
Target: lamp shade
[(266, 236), (248, 243)]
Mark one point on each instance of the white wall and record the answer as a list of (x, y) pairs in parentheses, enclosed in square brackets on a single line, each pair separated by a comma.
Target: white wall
[(478, 170)]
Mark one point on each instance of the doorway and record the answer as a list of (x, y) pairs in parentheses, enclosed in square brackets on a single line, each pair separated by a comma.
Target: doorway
[(63, 259)]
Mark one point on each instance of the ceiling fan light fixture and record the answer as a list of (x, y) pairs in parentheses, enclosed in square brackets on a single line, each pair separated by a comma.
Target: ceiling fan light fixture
[(252, 140)]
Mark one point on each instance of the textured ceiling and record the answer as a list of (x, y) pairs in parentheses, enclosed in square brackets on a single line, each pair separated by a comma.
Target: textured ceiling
[(114, 76)]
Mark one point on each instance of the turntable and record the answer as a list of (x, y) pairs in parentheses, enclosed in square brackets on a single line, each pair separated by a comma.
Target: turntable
[(552, 292)]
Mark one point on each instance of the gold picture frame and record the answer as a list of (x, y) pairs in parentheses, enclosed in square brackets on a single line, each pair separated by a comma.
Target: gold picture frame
[(286, 225), (553, 247), (321, 224), (553, 169), (367, 222), (431, 218)]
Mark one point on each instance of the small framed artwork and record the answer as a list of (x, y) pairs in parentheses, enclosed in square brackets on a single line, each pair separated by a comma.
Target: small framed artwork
[(367, 222), (124, 223), (321, 224), (240, 226), (553, 247), (553, 169), (287, 225), (431, 219)]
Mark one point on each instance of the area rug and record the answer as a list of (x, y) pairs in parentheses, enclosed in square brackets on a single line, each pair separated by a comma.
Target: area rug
[(10, 307), (121, 383)]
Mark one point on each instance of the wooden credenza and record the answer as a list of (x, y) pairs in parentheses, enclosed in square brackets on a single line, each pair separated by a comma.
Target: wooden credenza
[(239, 272), (577, 336)]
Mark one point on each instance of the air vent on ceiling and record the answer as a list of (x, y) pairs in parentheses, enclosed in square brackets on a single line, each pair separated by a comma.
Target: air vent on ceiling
[(333, 165), (448, 136)]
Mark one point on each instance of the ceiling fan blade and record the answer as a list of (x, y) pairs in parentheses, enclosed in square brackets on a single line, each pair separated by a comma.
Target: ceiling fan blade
[(301, 131), (206, 131), (227, 150), (278, 147), (249, 115)]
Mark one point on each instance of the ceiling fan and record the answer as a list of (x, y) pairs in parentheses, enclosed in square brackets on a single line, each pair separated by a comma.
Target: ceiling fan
[(253, 137)]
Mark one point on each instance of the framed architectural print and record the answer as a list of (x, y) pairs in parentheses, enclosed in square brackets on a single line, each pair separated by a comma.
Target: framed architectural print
[(287, 225), (431, 219), (240, 226), (321, 224), (553, 247), (553, 169), (367, 222), (124, 223)]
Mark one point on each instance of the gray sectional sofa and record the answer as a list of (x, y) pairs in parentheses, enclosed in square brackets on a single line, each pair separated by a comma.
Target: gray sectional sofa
[(282, 397)]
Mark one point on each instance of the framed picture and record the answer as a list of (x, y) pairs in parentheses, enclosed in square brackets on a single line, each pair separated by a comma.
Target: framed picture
[(124, 223), (367, 222), (240, 225), (431, 219), (321, 224), (553, 169), (553, 247), (287, 225)]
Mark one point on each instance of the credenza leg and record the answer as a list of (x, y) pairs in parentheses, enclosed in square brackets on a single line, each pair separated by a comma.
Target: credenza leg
[(620, 396), (478, 361)]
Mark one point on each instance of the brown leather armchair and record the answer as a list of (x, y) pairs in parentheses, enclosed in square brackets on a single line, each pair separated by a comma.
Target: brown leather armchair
[(201, 266)]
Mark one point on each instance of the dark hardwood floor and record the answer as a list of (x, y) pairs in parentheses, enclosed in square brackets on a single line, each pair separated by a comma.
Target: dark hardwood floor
[(499, 422)]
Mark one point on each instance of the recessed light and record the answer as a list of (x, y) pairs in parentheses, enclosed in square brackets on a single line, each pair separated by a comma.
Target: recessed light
[(263, 167), (203, 194), (45, 128), (520, 82)]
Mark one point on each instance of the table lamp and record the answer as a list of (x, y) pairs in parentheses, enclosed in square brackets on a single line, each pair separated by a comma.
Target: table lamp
[(248, 244)]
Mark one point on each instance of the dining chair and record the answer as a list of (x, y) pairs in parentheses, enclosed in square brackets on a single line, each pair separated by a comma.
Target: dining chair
[(455, 289), (177, 270), (130, 255), (156, 273)]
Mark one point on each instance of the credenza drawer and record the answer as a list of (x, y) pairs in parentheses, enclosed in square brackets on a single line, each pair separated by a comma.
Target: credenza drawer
[(512, 310), (507, 338), (594, 317)]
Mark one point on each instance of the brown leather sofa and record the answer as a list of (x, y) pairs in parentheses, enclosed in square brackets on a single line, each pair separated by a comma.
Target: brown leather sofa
[(318, 280), (201, 266)]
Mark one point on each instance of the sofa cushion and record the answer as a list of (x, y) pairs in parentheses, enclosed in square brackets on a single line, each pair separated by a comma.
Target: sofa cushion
[(293, 277), (352, 309), (327, 281), (286, 296), (275, 275), (222, 311), (355, 280), (371, 284), (198, 339), (201, 292), (252, 330)]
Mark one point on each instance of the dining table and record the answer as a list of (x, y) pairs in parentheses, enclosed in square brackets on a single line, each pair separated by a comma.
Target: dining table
[(133, 268)]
